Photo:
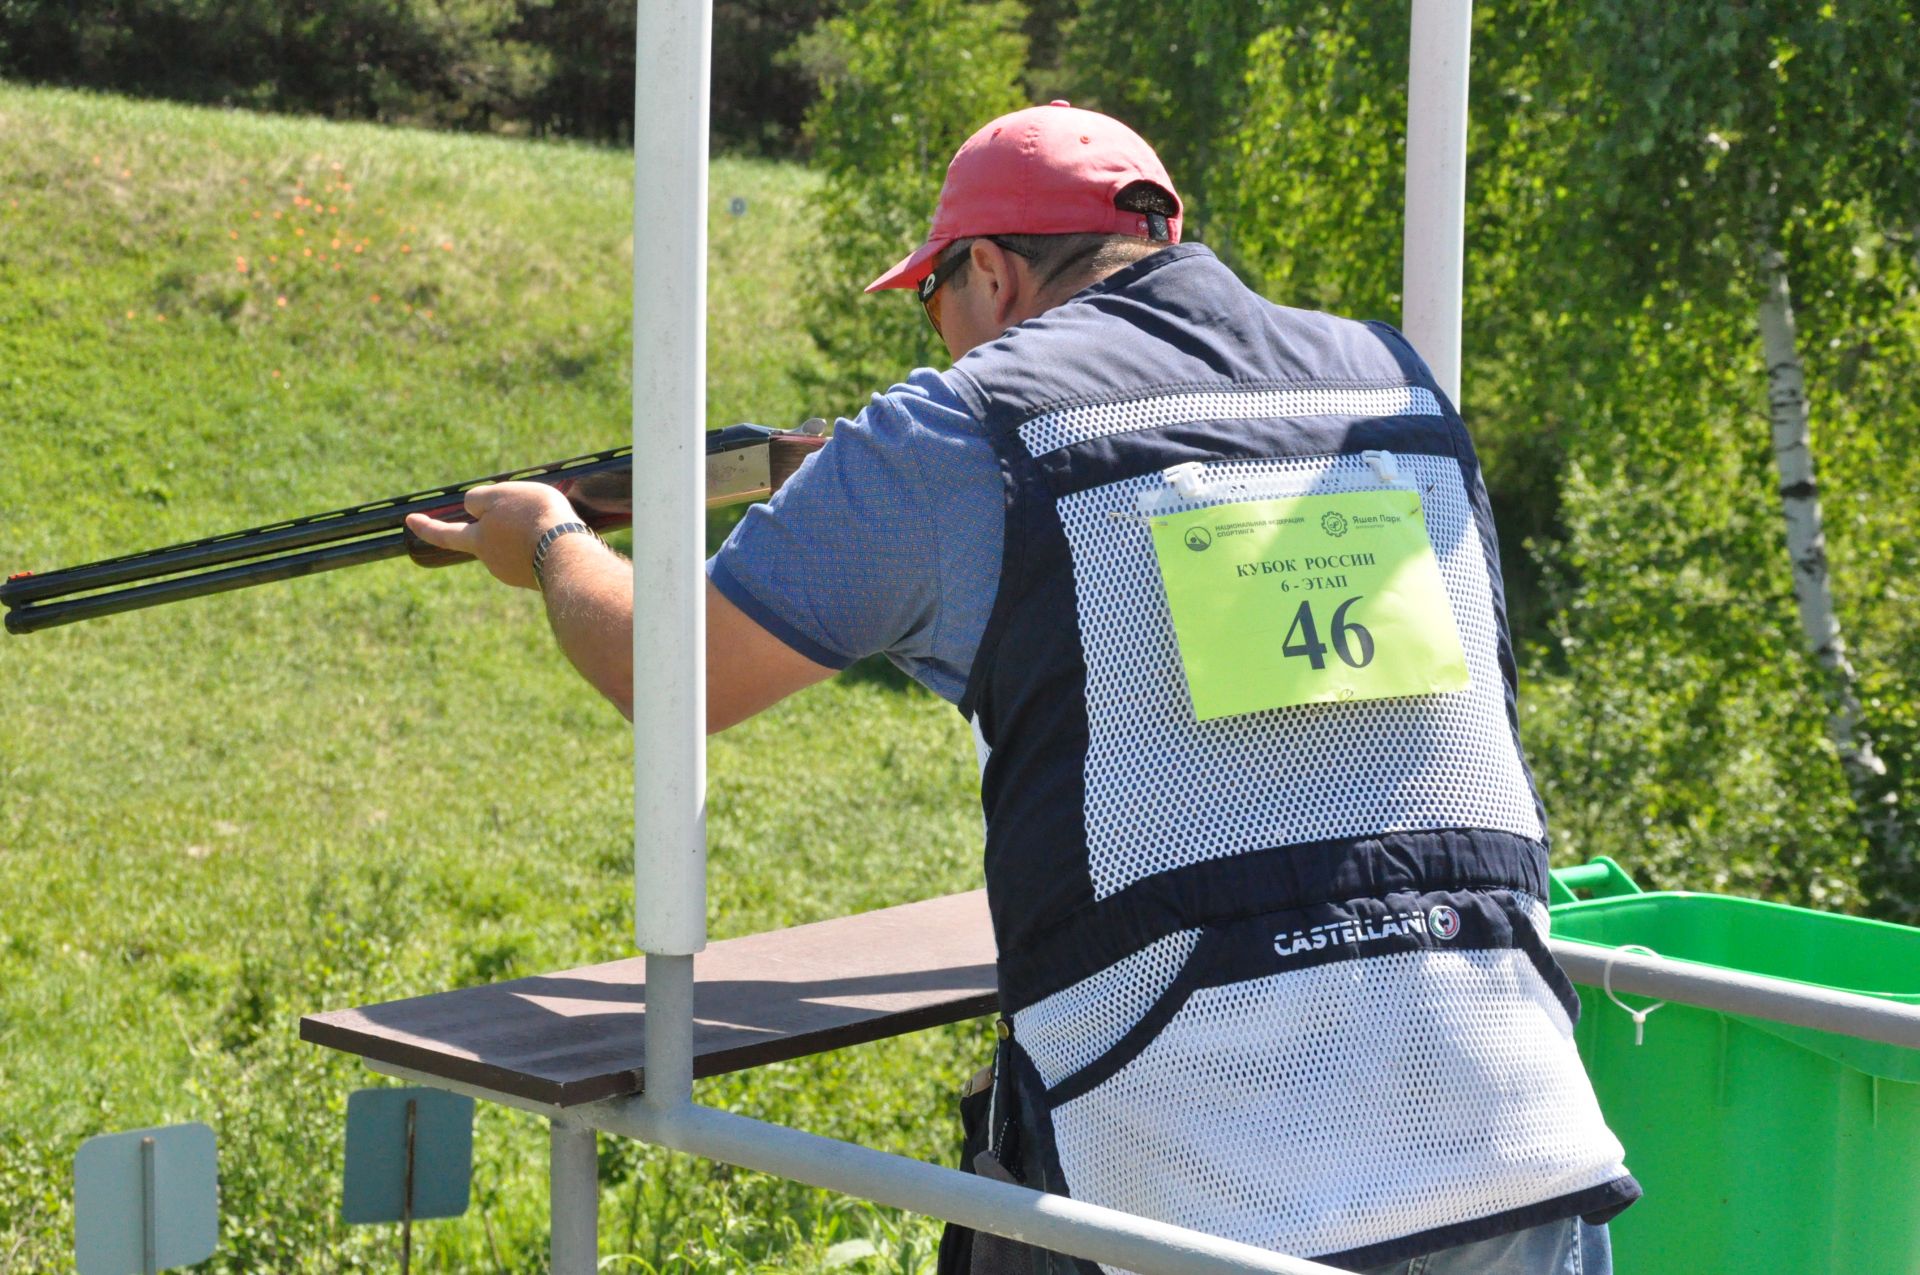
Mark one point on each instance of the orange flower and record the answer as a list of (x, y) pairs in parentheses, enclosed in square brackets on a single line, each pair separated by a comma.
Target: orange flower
[(359, 247), (126, 172), (281, 302), (276, 374), (306, 252), (161, 317), (233, 234), (240, 264), (426, 314), (96, 161), (374, 299), (336, 265), (332, 208), (278, 214), (446, 247), (336, 168), (271, 257), (129, 314), (406, 247), (256, 214), (336, 243), (300, 230)]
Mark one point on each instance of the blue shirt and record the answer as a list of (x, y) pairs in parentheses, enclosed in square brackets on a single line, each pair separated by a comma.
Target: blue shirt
[(886, 541)]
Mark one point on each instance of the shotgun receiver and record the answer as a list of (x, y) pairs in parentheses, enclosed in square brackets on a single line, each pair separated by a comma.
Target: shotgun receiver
[(744, 462)]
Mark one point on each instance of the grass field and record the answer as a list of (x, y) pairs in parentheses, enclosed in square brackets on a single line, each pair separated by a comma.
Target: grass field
[(219, 815)]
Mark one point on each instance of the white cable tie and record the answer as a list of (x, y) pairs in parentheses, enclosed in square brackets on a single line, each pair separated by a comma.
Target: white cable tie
[(1639, 1016)]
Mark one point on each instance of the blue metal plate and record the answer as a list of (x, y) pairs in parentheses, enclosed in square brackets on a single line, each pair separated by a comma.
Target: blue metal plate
[(376, 1173), (112, 1211)]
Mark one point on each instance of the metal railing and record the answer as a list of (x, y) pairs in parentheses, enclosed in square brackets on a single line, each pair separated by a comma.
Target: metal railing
[(1776, 1000)]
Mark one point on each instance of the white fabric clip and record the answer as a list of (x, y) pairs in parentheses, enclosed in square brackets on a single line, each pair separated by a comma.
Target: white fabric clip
[(1189, 479), (1385, 467), (1639, 1016)]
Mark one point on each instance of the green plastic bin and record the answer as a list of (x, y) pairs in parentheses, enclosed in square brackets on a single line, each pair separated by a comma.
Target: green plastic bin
[(1764, 1149)]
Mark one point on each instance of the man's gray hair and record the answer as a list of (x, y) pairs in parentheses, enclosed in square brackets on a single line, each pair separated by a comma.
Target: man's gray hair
[(1066, 259)]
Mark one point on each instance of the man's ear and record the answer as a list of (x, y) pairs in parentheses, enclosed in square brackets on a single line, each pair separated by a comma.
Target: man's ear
[(999, 273)]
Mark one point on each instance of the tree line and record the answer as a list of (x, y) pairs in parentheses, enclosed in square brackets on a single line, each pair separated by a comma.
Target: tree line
[(542, 67)]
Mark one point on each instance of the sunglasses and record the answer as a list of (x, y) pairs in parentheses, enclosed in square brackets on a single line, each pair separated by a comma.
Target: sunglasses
[(950, 267)]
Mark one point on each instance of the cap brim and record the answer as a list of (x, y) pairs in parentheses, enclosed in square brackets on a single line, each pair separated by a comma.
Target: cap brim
[(912, 268)]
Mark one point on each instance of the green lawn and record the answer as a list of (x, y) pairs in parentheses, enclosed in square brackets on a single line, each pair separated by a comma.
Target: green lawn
[(217, 816)]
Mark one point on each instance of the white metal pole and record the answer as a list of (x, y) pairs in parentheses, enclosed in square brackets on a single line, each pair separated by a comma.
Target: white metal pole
[(1435, 242), (669, 416), (1106, 1235), (573, 1193), (1734, 991), (667, 1077)]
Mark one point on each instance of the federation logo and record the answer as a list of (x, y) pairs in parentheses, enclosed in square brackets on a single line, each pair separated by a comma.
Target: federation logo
[(1333, 524), (1199, 538), (1443, 922)]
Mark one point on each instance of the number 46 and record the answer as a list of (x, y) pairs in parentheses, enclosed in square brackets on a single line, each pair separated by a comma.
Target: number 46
[(1315, 650)]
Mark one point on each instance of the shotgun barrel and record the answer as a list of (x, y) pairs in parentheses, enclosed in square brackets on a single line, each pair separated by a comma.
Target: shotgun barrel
[(744, 462)]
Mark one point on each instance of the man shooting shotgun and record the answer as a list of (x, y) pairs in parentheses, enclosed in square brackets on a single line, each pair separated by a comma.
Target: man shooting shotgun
[(1215, 583)]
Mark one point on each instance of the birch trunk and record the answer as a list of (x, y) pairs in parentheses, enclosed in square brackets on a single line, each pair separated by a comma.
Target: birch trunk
[(1807, 547)]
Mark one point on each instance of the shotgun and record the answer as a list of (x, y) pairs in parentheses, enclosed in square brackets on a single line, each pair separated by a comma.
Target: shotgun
[(744, 462)]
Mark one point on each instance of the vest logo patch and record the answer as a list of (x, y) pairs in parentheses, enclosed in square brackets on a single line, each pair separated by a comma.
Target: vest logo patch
[(1359, 932), (1440, 922)]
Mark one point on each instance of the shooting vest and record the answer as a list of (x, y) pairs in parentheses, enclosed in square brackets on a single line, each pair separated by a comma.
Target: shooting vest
[(1276, 975)]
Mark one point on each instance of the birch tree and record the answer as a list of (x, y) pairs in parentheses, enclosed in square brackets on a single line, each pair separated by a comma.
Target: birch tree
[(1788, 414)]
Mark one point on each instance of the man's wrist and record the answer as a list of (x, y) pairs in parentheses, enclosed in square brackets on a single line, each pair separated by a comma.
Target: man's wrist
[(546, 542)]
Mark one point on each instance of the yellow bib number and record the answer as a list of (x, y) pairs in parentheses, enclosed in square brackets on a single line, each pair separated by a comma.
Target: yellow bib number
[(1307, 600)]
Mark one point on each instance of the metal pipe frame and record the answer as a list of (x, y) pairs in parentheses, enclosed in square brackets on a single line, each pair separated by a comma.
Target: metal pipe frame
[(1104, 1235), (673, 43), (1432, 261), (1737, 992), (573, 1193)]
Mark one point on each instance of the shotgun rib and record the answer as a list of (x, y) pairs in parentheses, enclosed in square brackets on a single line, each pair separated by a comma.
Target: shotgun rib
[(744, 462)]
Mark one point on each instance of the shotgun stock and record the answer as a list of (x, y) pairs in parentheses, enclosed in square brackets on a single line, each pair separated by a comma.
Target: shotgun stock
[(744, 462)]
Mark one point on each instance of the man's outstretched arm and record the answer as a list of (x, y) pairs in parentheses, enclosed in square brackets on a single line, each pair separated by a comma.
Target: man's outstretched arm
[(589, 596)]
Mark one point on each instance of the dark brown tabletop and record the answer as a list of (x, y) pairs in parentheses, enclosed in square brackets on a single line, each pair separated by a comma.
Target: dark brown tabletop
[(577, 1036)]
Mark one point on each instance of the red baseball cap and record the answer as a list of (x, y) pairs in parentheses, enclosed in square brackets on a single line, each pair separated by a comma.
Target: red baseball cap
[(1047, 170)]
